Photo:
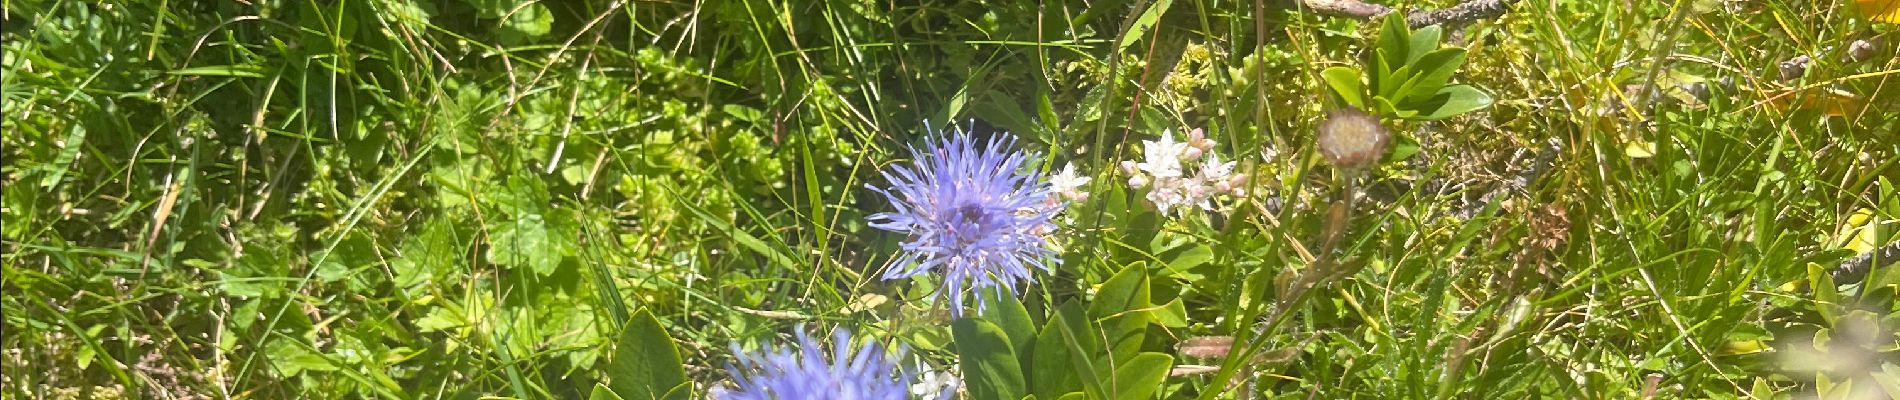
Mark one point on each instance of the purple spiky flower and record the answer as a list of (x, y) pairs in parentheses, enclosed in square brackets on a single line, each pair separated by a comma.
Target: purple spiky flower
[(786, 374), (972, 212)]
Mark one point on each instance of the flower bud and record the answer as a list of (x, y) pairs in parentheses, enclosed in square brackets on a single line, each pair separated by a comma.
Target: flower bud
[(1352, 140), (1137, 181), (1190, 154), (1128, 167)]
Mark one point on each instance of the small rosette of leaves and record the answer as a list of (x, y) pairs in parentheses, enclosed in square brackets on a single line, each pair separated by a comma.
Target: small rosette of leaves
[(1408, 77)]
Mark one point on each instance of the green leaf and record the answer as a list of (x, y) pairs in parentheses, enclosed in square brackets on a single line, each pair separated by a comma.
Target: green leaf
[(1827, 296), (1046, 110), (1454, 100), (234, 71), (439, 249), (492, 9), (601, 392), (526, 24), (260, 272), (1172, 315), (1141, 25), (1423, 40), (1121, 305), (1434, 71), (999, 108), (645, 365), (1009, 314), (530, 241), (990, 370), (1394, 40), (292, 357), (1384, 106), (1888, 380), (1058, 362), (1403, 147), (1141, 376), (1389, 86), (1346, 83)]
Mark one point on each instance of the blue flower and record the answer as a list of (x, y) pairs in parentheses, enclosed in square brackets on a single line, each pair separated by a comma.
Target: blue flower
[(785, 374), (972, 212)]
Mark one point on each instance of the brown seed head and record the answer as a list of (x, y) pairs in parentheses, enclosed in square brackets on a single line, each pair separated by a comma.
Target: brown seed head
[(1352, 140)]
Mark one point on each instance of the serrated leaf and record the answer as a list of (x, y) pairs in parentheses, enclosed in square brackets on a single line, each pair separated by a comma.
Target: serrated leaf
[(530, 241), (645, 364), (1346, 83), (257, 273), (988, 360), (438, 249), (1091, 105), (292, 357), (526, 24), (492, 9)]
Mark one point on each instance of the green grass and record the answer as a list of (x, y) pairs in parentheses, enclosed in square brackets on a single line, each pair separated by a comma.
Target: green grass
[(468, 198)]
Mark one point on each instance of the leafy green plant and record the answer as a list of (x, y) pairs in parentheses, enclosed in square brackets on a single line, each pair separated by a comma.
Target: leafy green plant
[(1093, 351), (1408, 77)]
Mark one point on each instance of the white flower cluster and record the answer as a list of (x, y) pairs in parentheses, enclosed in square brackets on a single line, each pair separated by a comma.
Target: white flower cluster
[(1171, 185)]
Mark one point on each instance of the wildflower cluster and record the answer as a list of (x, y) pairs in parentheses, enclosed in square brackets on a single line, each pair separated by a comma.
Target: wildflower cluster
[(1170, 183), (972, 211)]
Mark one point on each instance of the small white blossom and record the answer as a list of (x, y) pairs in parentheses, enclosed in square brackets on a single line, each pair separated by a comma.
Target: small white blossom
[(1213, 170), (1069, 185), (1163, 157), (935, 384), (1167, 196)]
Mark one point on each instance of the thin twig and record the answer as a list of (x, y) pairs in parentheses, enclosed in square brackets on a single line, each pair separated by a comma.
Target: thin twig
[(1855, 269)]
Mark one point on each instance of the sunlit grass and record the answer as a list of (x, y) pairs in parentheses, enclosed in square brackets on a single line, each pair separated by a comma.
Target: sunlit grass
[(457, 199)]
